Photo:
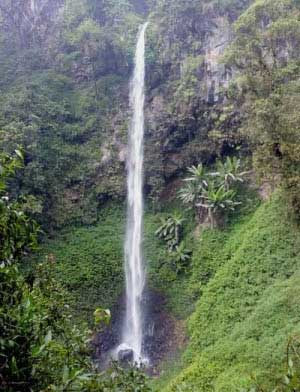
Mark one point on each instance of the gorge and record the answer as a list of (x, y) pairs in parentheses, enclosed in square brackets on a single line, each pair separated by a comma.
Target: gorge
[(165, 227)]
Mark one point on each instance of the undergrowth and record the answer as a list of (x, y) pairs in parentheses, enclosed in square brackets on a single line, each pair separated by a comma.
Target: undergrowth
[(88, 261), (240, 293)]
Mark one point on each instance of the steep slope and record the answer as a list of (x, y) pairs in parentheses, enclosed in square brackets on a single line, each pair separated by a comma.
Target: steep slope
[(187, 83), (249, 308)]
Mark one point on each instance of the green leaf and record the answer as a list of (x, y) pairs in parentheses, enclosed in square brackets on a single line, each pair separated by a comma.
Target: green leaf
[(19, 154), (48, 337), (66, 373)]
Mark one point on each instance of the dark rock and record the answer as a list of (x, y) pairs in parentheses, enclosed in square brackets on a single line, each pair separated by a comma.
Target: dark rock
[(125, 356), (159, 339)]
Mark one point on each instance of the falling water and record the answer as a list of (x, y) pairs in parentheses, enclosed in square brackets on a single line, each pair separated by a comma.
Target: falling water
[(135, 272)]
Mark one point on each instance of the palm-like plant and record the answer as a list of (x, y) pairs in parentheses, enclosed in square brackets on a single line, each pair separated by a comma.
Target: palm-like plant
[(198, 174), (180, 257), (196, 183), (213, 193), (218, 200), (230, 171), (163, 229), (178, 220), (169, 230), (189, 194)]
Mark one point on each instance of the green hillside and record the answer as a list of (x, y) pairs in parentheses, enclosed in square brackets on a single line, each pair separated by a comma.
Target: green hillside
[(248, 309)]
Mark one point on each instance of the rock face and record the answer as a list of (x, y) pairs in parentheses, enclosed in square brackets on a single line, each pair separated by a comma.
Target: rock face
[(216, 75), (159, 329), (187, 118), (160, 334), (89, 93), (125, 356)]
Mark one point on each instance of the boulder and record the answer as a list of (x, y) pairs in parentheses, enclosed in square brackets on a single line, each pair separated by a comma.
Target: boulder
[(125, 356)]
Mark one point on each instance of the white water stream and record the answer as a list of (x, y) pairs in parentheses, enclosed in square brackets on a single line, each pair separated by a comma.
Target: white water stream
[(134, 268)]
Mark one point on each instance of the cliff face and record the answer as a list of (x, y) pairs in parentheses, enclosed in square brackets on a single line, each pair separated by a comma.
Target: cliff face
[(186, 95), (71, 97), (187, 115)]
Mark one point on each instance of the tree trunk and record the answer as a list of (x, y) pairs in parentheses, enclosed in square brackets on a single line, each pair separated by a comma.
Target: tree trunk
[(201, 215)]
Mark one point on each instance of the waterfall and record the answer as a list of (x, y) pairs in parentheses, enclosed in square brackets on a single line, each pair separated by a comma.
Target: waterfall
[(134, 269)]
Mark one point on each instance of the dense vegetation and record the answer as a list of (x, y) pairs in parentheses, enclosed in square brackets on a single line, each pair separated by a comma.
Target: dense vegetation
[(64, 83), (231, 339), (222, 175), (266, 54), (88, 261), (41, 346)]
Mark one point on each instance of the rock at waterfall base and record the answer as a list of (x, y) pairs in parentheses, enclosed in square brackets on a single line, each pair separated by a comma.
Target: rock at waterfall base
[(125, 356)]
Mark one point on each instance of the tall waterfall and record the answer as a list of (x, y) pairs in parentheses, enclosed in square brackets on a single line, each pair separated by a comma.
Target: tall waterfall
[(135, 272)]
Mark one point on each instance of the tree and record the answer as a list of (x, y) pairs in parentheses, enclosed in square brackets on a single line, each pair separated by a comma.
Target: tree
[(230, 172), (217, 201), (213, 194), (189, 193), (197, 182)]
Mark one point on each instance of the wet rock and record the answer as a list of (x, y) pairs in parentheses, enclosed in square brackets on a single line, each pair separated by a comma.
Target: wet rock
[(162, 336), (125, 356)]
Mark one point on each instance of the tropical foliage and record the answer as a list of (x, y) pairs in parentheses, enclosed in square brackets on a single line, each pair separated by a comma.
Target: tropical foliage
[(222, 89), (170, 230), (180, 257), (18, 233), (62, 65), (213, 193)]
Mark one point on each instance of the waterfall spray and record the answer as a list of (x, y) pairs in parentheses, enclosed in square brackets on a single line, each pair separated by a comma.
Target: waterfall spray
[(134, 269)]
